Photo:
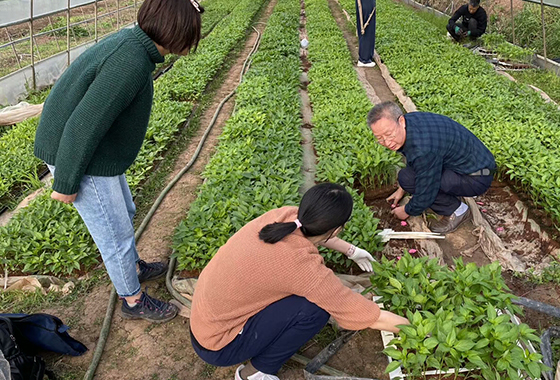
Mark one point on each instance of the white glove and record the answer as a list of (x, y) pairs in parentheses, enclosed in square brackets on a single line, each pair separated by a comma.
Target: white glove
[(363, 259)]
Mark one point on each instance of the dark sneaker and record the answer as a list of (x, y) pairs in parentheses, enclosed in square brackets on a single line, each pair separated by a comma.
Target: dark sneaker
[(151, 271), (150, 309), (450, 223)]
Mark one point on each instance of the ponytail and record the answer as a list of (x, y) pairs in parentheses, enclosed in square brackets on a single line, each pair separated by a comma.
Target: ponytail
[(323, 208), (274, 232)]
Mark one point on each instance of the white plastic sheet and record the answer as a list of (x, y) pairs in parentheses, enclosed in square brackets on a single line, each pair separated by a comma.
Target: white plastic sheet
[(14, 86), (16, 11)]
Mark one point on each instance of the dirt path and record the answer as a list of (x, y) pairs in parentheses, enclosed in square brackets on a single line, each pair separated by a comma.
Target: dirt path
[(139, 349)]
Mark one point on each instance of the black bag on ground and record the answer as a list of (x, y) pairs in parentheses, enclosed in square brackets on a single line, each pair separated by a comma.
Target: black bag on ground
[(45, 332), (22, 366)]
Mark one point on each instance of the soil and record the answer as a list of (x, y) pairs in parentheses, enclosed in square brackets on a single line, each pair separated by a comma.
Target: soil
[(547, 293), (499, 208)]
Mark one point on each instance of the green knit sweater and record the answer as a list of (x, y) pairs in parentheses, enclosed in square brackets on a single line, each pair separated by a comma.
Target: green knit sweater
[(95, 118)]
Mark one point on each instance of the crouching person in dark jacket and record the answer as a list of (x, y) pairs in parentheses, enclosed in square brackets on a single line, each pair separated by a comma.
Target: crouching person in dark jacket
[(473, 23)]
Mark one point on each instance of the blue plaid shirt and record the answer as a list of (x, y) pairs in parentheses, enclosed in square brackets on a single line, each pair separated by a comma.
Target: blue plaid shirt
[(435, 143)]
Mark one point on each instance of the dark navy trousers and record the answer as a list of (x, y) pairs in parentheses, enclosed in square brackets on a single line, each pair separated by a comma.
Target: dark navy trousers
[(270, 337), (453, 185), (366, 40)]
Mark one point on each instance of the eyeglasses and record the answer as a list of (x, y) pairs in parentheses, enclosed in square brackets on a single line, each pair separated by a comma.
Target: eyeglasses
[(195, 5), (339, 232), (384, 139)]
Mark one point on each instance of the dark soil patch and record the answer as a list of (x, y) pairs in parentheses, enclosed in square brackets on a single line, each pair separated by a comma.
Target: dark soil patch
[(375, 199), (546, 293), (498, 206)]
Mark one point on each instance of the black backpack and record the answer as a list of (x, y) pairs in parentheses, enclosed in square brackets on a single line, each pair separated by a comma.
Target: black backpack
[(22, 366)]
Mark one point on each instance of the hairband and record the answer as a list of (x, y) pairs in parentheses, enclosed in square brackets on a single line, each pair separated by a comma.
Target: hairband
[(195, 4), (298, 223)]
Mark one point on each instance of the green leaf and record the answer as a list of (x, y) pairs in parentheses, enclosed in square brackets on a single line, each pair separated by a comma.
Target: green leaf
[(393, 366), (395, 283), (408, 330), (534, 370), (393, 353), (464, 345), (481, 343), (475, 359), (431, 342)]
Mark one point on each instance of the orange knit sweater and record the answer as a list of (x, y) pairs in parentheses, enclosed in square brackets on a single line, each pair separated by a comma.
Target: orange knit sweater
[(246, 275)]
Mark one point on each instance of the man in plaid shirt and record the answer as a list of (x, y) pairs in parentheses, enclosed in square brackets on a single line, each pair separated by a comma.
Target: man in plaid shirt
[(444, 159)]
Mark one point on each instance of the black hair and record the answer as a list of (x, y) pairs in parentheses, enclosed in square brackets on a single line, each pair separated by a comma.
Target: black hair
[(174, 24), (323, 208), (474, 3)]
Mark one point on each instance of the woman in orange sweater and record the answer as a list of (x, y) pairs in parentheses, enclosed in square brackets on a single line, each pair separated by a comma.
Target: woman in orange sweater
[(267, 291)]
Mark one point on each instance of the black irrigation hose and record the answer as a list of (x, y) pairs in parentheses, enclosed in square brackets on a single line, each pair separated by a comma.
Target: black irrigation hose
[(105, 329), (327, 352), (554, 332), (538, 306), (546, 349)]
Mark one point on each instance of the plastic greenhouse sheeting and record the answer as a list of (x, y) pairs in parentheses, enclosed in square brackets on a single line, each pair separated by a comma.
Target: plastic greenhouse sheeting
[(14, 86), (550, 3), (16, 11), (47, 71)]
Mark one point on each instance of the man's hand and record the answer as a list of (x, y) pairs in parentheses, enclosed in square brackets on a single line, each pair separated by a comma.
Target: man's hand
[(396, 197), (363, 258), (400, 213), (457, 30), (68, 199)]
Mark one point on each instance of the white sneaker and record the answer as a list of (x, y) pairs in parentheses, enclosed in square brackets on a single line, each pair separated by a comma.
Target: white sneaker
[(256, 376), (450, 37), (237, 371), (361, 64)]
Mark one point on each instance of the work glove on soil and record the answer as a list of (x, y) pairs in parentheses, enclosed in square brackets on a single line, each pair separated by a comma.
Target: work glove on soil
[(363, 259)]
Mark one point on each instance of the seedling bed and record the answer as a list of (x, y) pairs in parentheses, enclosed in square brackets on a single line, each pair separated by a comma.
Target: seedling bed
[(20, 190)]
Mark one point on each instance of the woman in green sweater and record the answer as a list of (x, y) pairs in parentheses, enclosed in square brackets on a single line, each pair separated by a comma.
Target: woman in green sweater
[(91, 130)]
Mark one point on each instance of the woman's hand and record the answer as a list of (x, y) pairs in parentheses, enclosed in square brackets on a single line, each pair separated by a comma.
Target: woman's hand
[(363, 258), (388, 322), (68, 199)]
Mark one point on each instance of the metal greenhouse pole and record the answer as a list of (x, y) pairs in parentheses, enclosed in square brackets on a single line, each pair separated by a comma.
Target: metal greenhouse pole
[(68, 34), (31, 43), (512, 23), (543, 29)]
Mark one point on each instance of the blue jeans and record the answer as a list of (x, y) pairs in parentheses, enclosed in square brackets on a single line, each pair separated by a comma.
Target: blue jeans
[(270, 337), (106, 206)]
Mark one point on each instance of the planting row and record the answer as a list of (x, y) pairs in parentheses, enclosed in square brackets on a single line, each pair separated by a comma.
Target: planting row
[(257, 166), (37, 239), (19, 167), (214, 12), (346, 149), (521, 130), (459, 318)]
